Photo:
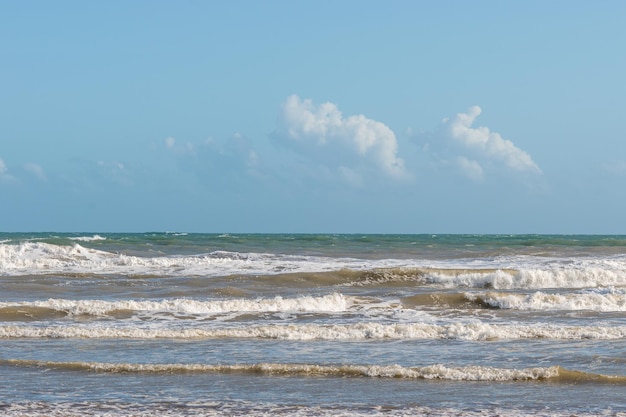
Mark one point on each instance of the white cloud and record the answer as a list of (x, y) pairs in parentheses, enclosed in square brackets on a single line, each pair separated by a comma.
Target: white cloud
[(5, 177), (345, 143), (487, 144)]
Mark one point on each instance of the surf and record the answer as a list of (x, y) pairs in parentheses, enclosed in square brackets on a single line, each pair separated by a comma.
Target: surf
[(430, 372), (355, 331)]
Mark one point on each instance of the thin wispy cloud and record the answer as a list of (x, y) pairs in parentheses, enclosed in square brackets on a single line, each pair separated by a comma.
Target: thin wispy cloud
[(616, 168), (212, 162), (174, 146), (470, 168), (36, 170)]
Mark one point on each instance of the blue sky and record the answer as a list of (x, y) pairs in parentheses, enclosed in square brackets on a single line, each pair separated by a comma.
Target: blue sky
[(313, 116)]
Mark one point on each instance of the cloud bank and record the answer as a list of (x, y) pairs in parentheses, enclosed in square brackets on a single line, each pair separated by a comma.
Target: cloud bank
[(350, 145)]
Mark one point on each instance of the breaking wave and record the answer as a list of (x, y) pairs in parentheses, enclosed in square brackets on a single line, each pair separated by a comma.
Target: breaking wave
[(87, 238), (37, 258), (332, 303), (331, 332), (608, 299), (437, 371), (44, 258), (469, 373)]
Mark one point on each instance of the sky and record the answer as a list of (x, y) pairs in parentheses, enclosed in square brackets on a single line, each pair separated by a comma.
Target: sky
[(313, 116)]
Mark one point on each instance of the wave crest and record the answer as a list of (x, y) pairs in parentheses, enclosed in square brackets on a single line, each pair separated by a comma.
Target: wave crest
[(605, 301), (465, 373), (436, 371), (303, 332), (331, 303)]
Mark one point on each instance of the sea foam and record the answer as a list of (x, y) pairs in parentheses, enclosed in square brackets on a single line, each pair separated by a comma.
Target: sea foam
[(332, 303), (44, 258), (209, 408), (610, 274), (614, 300), (304, 332), (36, 258), (438, 371), (88, 238)]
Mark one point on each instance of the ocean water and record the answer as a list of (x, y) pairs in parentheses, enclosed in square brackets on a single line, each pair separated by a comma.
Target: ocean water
[(312, 325)]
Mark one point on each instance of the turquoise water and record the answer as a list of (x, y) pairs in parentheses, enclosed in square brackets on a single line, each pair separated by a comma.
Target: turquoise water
[(209, 324)]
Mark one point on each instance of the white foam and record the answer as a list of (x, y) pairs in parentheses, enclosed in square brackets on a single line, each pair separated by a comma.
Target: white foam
[(304, 332), (503, 273), (88, 238), (532, 278), (332, 303), (438, 371), (35, 257), (44, 258), (209, 408), (586, 301)]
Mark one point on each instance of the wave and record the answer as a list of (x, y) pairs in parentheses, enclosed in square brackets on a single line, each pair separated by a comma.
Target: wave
[(438, 371), (406, 309), (610, 274), (330, 332), (45, 258), (593, 300), (37, 258), (332, 303), (599, 275), (87, 238)]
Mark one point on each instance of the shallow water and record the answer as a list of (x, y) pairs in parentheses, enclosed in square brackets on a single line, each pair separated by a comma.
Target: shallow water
[(184, 324)]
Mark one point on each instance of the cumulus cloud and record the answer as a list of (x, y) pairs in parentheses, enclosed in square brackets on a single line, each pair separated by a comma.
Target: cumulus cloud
[(486, 144), (458, 147), (321, 132)]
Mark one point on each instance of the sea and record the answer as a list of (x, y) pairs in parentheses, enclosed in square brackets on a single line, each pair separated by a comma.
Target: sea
[(183, 324)]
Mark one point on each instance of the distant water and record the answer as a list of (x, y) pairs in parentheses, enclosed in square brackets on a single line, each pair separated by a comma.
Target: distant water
[(304, 325)]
